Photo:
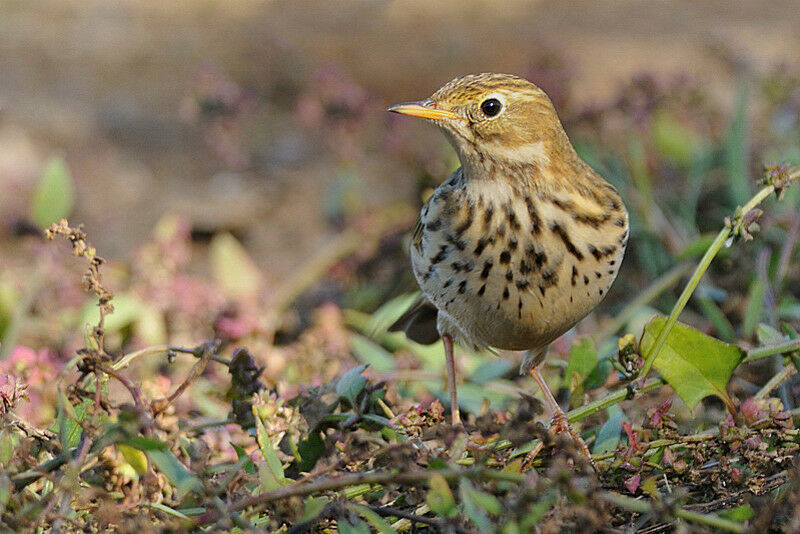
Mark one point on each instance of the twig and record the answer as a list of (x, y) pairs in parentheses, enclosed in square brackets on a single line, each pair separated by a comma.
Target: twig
[(644, 507), (388, 511), (354, 479), (209, 349)]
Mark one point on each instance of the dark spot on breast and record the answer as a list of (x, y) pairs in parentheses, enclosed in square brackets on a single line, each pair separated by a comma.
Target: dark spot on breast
[(460, 244), (574, 275), (540, 258), (522, 284), (480, 246), (542, 289), (487, 216), (512, 244), (601, 292), (612, 262), (611, 271), (598, 275), (512, 217), (487, 266), (519, 308), (536, 222), (561, 232), (525, 267), (594, 252), (501, 229), (505, 256), (447, 283), (550, 277), (441, 255), (505, 293), (620, 222), (462, 286), (585, 280), (482, 290), (434, 225), (509, 275)]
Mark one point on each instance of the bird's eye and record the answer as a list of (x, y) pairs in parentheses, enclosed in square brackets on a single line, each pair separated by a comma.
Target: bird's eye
[(491, 107)]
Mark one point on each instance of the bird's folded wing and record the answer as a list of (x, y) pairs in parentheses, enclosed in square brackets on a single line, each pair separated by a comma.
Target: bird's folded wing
[(419, 322)]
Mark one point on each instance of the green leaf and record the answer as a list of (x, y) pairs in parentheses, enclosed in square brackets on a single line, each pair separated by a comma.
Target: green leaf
[(472, 506), (351, 384), (312, 507), (372, 354), (274, 464), (675, 141), (740, 513), (233, 269), (377, 522), (440, 498), (609, 435), (694, 364), (344, 526), (582, 360), (242, 455), (310, 450), (135, 458), (162, 458), (54, 196), (754, 311), (66, 423), (767, 335), (491, 370)]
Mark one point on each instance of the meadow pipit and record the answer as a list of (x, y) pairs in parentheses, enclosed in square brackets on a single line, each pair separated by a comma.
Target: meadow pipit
[(520, 242)]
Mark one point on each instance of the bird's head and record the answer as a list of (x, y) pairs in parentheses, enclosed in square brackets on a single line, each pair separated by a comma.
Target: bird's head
[(494, 118)]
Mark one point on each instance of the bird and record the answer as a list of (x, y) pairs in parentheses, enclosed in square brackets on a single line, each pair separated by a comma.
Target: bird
[(520, 242)]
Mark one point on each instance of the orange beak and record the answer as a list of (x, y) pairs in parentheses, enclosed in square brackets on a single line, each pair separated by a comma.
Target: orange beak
[(425, 109)]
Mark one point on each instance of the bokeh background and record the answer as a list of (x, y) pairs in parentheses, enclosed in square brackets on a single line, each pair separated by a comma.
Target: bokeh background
[(265, 118)]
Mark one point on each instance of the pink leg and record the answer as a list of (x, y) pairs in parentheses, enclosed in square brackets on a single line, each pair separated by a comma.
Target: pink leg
[(559, 423), (451, 378)]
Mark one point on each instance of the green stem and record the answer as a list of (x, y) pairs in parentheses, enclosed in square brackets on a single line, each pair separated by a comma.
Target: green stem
[(586, 410), (702, 267), (757, 353), (684, 298)]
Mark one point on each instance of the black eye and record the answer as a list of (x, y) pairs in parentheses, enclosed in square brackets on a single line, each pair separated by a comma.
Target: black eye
[(491, 107)]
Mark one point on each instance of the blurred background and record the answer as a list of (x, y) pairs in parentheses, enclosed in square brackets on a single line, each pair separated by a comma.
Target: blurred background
[(245, 115), (178, 131)]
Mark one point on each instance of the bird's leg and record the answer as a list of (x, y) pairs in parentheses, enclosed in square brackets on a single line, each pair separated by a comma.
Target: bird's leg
[(447, 340), (559, 424)]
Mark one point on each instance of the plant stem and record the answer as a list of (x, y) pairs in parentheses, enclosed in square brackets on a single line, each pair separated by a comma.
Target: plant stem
[(782, 376), (375, 477), (702, 267), (586, 410), (790, 345), (644, 507)]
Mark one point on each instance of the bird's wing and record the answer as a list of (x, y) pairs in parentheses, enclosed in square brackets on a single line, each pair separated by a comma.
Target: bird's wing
[(419, 322)]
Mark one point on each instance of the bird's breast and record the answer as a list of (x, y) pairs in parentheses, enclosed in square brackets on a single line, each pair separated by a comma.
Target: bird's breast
[(516, 268)]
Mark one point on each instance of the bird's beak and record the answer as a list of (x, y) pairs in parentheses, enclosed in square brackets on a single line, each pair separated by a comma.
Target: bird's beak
[(425, 109)]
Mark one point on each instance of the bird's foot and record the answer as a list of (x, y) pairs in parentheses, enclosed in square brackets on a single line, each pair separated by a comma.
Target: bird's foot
[(560, 425)]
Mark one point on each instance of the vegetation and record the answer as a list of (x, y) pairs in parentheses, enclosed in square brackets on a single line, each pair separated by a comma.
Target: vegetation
[(173, 399)]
